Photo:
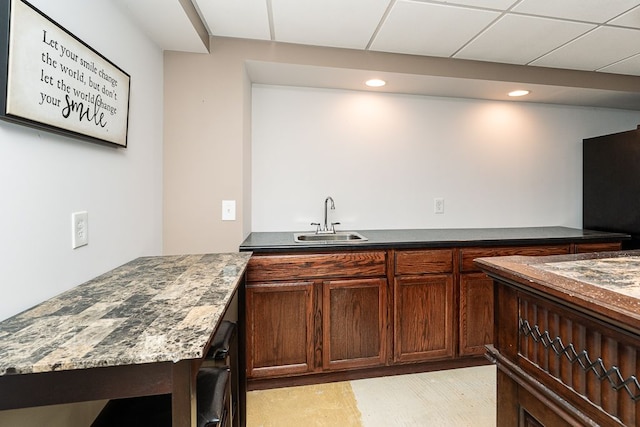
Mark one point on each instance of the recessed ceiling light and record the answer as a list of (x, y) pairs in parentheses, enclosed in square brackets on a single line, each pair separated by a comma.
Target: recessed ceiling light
[(519, 93), (375, 83)]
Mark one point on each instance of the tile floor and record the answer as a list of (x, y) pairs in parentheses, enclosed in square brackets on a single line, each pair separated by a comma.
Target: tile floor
[(453, 398)]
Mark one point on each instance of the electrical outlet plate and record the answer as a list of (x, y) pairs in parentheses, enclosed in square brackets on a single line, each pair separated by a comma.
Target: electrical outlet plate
[(79, 229), (438, 205), (228, 210)]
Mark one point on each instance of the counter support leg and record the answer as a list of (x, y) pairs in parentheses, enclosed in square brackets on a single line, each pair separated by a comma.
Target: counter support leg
[(183, 397)]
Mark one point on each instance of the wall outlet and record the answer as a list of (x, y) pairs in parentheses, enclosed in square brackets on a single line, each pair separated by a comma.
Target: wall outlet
[(228, 210), (79, 229), (438, 205)]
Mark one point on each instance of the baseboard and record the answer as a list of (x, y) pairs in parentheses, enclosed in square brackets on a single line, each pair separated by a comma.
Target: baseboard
[(356, 374)]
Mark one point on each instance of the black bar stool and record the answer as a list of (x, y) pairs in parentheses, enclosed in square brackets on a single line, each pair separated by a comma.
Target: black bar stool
[(214, 397), (216, 392), (221, 349), (224, 354)]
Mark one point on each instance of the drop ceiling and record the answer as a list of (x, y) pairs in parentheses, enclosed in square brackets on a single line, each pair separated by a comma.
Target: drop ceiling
[(598, 36)]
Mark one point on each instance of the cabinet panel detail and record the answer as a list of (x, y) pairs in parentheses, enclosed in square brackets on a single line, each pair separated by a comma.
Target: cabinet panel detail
[(353, 323), (581, 248), (581, 358), (467, 255), (476, 313), (423, 317), (310, 266), (279, 328), (529, 420), (591, 359), (424, 261)]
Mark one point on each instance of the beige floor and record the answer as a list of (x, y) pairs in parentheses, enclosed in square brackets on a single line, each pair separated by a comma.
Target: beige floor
[(455, 398)]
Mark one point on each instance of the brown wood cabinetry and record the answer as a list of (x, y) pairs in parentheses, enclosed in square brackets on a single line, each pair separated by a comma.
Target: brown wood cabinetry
[(332, 311), (476, 289), (354, 319), (423, 305), (279, 328), (316, 266), (476, 313), (476, 293), (315, 312), (567, 345), (581, 248)]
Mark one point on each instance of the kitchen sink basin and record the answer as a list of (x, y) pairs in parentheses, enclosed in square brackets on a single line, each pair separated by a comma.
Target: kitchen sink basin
[(340, 236)]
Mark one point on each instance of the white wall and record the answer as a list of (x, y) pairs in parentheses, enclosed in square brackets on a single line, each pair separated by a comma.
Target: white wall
[(45, 177), (385, 157)]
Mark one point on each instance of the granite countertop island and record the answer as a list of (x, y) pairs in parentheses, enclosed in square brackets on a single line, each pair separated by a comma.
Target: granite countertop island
[(567, 338), (152, 309), (606, 283), (421, 238)]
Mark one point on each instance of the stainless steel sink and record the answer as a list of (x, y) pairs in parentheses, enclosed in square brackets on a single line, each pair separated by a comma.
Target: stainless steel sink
[(340, 236)]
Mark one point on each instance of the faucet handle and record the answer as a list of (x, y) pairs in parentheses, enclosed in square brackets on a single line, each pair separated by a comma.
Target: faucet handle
[(333, 226), (317, 224)]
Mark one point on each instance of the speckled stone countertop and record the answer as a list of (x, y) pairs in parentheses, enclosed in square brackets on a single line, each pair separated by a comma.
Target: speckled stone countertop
[(421, 238), (152, 309), (606, 283), (618, 274)]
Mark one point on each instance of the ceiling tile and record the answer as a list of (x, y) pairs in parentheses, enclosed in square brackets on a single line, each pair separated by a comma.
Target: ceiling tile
[(244, 19), (490, 4), (518, 39), (599, 11), (599, 48), (335, 23), (428, 29), (630, 19), (628, 66), (166, 23)]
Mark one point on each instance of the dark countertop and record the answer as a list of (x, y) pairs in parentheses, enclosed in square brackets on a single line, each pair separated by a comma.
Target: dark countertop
[(422, 238), (606, 284)]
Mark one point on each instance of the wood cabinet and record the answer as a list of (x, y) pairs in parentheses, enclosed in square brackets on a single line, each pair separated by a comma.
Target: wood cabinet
[(334, 311), (423, 305), (476, 313), (476, 293), (581, 248), (353, 323), (315, 312), (520, 408), (476, 289), (567, 346), (279, 328)]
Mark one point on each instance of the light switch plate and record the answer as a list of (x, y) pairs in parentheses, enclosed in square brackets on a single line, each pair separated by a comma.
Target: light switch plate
[(79, 229), (228, 210)]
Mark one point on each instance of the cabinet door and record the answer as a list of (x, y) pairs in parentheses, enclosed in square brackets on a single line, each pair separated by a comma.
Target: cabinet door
[(279, 328), (476, 313), (423, 311), (353, 322)]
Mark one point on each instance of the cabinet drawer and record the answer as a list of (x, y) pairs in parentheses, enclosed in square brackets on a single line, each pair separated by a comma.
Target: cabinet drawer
[(308, 266), (469, 254), (424, 261), (597, 247)]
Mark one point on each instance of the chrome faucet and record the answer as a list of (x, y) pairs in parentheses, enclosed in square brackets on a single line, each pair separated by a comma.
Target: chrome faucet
[(333, 207), (325, 228)]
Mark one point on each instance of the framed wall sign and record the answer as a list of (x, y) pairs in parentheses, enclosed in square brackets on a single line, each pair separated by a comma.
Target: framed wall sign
[(52, 80)]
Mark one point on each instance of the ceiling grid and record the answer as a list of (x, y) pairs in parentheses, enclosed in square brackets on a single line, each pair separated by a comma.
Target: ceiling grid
[(597, 36)]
